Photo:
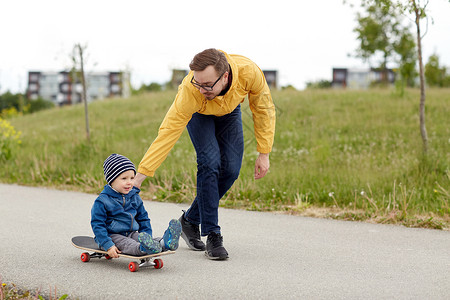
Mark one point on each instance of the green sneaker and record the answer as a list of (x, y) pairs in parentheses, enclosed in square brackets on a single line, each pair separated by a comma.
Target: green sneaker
[(172, 235), (148, 245)]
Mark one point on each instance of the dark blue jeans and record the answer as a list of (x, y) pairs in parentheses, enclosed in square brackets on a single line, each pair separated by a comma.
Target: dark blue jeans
[(219, 143)]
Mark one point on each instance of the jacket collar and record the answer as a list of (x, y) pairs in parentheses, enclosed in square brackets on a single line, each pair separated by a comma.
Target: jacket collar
[(234, 69), (108, 190)]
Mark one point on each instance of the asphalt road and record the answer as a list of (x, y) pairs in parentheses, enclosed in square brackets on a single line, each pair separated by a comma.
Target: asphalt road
[(272, 256)]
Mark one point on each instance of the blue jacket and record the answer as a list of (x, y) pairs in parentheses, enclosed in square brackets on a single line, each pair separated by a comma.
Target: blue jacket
[(113, 212)]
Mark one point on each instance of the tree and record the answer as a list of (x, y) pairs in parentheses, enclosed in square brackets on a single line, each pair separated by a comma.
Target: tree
[(9, 100), (375, 32), (405, 47), (152, 87), (383, 38), (419, 13), (78, 70), (38, 104), (320, 84), (435, 75), (418, 10)]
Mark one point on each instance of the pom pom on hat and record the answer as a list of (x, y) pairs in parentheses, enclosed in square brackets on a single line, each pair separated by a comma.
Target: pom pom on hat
[(115, 165)]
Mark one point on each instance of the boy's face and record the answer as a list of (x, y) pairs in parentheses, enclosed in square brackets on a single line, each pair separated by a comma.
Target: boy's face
[(124, 182)]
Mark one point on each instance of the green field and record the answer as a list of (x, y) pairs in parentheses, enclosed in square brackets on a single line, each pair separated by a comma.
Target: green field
[(354, 155)]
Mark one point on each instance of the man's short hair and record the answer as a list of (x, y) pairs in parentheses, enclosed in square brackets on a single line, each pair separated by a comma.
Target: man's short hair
[(210, 57)]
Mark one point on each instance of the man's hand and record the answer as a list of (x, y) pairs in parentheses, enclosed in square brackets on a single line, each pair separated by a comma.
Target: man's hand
[(262, 165), (138, 179), (114, 252)]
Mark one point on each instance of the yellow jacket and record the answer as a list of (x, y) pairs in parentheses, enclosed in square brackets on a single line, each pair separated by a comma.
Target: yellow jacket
[(247, 79)]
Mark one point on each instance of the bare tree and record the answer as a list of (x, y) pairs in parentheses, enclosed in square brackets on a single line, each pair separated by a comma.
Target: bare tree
[(419, 13), (78, 59)]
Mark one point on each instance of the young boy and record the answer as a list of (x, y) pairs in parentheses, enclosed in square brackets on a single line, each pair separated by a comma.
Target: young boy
[(119, 219)]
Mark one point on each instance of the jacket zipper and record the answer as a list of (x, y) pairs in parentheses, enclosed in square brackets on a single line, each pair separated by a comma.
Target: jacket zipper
[(131, 216)]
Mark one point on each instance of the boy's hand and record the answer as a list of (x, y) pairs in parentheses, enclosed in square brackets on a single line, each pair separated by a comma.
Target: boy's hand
[(114, 252)]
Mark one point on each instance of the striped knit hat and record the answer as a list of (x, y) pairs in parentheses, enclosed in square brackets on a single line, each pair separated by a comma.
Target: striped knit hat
[(115, 165)]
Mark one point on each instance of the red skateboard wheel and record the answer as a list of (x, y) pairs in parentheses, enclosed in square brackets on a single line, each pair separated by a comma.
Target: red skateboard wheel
[(85, 257), (133, 267), (158, 263)]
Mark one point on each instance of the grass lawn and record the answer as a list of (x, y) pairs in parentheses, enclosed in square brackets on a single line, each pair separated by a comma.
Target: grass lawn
[(353, 155)]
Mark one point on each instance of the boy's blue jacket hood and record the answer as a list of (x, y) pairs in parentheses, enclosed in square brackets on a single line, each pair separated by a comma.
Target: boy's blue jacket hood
[(113, 212)]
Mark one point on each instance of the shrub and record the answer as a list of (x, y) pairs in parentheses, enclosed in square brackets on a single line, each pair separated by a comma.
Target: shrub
[(9, 139), (39, 104)]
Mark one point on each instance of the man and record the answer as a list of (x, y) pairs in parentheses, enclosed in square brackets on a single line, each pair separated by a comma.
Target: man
[(208, 104)]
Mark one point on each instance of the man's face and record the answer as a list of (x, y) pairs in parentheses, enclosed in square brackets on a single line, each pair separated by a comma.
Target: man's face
[(209, 77)]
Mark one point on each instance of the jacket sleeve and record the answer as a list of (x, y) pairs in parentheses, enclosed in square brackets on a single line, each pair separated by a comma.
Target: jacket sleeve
[(142, 217), (263, 110), (98, 224), (176, 119)]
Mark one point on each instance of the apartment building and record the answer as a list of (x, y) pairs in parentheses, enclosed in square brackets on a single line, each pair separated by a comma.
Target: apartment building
[(360, 78), (65, 88)]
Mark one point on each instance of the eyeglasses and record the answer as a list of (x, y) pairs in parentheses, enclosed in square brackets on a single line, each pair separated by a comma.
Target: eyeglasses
[(205, 87)]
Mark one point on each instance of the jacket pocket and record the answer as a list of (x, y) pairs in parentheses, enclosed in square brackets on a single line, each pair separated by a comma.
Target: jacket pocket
[(113, 226)]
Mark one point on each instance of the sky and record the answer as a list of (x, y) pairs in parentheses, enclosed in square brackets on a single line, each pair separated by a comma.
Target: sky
[(302, 40)]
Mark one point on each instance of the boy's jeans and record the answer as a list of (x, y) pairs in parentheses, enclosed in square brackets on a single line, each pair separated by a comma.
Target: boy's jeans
[(219, 143), (128, 244)]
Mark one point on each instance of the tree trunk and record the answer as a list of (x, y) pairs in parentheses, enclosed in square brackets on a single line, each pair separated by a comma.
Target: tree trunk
[(423, 130), (83, 94)]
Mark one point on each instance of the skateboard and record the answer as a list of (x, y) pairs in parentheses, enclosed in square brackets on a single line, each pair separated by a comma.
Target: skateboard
[(88, 243)]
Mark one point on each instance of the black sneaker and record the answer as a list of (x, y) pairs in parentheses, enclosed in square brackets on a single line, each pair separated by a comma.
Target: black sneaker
[(191, 234), (214, 247)]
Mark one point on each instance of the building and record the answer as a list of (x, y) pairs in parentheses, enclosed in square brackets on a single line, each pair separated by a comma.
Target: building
[(62, 89), (360, 78), (177, 77), (271, 78)]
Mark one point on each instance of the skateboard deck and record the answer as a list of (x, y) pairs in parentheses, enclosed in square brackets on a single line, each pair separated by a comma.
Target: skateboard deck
[(88, 243)]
